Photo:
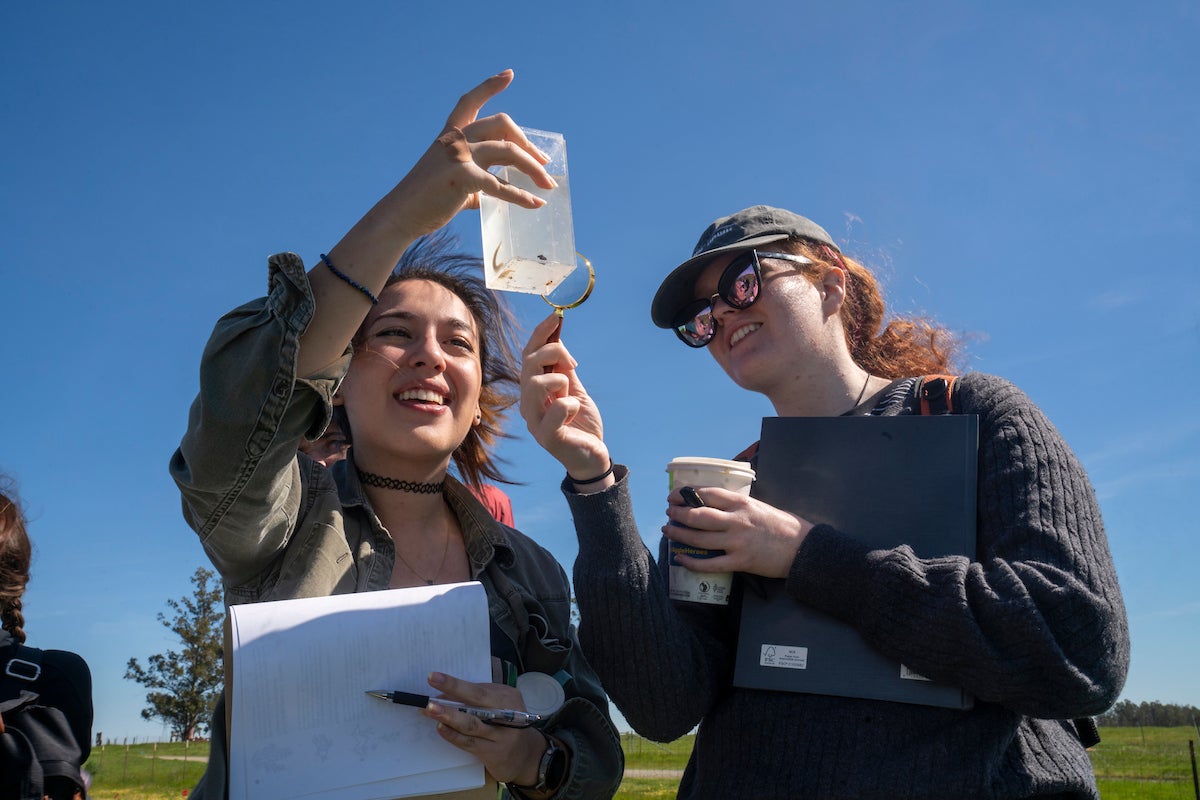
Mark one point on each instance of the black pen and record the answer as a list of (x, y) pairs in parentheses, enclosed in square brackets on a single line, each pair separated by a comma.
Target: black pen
[(507, 717)]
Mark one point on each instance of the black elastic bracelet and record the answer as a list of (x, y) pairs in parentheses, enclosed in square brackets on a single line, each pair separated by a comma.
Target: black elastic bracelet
[(596, 479), (349, 280)]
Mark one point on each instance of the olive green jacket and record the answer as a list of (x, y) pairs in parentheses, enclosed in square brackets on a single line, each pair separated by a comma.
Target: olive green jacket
[(278, 525)]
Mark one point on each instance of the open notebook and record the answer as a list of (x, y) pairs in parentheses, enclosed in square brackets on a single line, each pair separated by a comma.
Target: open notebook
[(300, 724)]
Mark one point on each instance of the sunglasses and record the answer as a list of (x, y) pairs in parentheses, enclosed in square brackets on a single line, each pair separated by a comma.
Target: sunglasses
[(739, 287)]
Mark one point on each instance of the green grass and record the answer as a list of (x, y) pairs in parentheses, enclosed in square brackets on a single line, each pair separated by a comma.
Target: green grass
[(1130, 764), (644, 754), (145, 771), (1144, 763)]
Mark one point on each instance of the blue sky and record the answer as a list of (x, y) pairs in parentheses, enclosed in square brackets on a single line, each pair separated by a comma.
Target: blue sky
[(1027, 172)]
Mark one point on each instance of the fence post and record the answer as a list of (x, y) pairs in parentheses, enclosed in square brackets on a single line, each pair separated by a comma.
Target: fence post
[(1195, 779)]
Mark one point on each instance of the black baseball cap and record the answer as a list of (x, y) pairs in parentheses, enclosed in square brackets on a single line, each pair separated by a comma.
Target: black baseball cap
[(747, 229)]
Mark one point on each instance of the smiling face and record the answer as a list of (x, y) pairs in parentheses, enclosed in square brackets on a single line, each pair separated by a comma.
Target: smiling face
[(412, 391), (780, 338)]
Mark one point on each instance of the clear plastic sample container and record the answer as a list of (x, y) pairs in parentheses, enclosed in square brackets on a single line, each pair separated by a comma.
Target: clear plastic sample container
[(530, 250)]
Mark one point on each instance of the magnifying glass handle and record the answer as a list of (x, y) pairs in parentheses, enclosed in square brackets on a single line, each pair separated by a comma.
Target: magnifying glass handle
[(555, 335)]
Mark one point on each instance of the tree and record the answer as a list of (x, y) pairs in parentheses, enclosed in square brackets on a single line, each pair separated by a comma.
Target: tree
[(1152, 714), (184, 685)]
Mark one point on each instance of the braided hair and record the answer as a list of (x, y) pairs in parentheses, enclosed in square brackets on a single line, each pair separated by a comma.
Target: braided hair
[(15, 554)]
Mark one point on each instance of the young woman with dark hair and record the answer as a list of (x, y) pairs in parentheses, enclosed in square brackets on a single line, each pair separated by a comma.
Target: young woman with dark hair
[(419, 362)]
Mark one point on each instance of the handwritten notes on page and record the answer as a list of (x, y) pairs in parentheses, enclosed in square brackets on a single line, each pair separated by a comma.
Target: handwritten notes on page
[(301, 725)]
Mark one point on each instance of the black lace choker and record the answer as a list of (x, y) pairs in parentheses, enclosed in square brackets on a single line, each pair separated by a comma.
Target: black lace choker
[(371, 479)]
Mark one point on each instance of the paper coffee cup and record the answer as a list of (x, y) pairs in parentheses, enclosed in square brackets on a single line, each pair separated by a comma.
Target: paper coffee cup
[(703, 587)]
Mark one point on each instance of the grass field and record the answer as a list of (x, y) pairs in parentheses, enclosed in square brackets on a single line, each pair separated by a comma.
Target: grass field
[(1130, 763), (1145, 763)]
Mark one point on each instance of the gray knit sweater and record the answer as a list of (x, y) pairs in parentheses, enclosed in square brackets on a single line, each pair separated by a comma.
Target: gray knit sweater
[(1034, 628)]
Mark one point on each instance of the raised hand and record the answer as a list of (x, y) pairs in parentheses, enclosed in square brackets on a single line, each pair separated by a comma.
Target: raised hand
[(452, 172), (447, 178), (556, 407)]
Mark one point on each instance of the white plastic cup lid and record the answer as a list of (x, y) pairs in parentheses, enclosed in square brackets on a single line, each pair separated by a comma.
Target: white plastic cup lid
[(704, 463)]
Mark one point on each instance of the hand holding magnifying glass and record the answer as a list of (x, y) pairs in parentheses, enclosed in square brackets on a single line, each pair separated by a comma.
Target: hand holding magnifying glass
[(568, 295)]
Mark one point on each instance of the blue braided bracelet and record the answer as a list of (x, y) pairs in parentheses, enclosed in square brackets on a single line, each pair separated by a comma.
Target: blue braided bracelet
[(349, 280)]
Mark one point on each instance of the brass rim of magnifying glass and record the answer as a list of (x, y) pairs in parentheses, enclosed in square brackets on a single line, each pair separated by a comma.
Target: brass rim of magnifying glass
[(560, 308), (557, 307)]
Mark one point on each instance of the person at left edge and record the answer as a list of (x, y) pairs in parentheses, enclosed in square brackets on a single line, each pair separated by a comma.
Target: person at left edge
[(46, 694), (422, 362)]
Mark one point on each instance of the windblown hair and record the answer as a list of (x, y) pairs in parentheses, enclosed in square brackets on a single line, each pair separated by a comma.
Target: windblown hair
[(906, 345), (15, 555), (434, 258)]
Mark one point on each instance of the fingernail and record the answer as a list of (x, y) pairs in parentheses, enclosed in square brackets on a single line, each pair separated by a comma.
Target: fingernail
[(436, 679), (434, 707), (553, 182)]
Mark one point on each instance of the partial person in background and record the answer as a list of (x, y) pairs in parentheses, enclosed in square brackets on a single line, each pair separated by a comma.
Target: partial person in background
[(1034, 626), (333, 445), (399, 330), (45, 695), (328, 448), (498, 504)]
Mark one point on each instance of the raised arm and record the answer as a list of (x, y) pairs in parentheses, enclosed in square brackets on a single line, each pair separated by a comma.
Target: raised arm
[(444, 181), (682, 664), (271, 366)]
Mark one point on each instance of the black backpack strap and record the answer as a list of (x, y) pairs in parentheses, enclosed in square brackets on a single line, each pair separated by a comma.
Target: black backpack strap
[(21, 775), (935, 394), (22, 666), (39, 754)]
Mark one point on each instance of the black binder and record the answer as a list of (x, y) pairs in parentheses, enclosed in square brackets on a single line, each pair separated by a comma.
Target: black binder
[(887, 481)]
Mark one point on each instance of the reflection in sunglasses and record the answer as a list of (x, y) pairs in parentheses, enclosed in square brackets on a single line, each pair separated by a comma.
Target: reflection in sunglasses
[(739, 287)]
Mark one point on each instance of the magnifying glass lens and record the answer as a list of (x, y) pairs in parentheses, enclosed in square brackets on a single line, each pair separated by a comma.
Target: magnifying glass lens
[(574, 289)]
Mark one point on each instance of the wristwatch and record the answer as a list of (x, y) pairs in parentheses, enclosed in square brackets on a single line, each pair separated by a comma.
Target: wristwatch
[(552, 769)]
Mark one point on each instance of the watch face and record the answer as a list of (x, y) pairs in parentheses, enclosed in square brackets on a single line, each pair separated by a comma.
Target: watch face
[(556, 769)]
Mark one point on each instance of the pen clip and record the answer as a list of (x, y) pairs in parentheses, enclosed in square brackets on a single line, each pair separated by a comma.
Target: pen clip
[(522, 719)]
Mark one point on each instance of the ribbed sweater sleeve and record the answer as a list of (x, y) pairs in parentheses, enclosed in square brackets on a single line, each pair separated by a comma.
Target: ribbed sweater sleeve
[(661, 668), (1036, 622)]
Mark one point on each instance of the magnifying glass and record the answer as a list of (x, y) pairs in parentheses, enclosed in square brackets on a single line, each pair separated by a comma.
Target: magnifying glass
[(573, 290), (570, 293)]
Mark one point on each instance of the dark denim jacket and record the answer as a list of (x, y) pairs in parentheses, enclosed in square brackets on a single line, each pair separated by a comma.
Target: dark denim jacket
[(280, 526)]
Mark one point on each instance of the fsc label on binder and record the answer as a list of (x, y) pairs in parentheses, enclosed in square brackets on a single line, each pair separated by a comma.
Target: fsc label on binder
[(783, 656)]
